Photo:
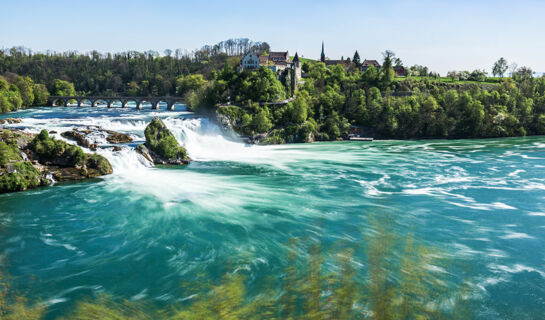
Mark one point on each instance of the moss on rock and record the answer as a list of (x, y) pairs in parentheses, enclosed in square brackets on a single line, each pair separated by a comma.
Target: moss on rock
[(97, 165), (162, 144), (56, 152), (26, 159), (20, 176)]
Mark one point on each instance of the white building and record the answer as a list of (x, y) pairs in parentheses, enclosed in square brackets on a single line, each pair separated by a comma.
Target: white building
[(250, 61)]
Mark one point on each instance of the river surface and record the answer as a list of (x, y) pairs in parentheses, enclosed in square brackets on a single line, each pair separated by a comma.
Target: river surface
[(142, 231)]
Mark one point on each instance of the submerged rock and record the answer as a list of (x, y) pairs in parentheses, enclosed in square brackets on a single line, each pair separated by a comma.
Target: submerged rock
[(161, 146), (84, 137), (80, 138), (10, 120), (28, 161), (118, 137)]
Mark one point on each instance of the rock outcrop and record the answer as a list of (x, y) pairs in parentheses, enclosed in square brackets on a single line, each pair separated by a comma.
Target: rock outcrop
[(161, 146), (80, 138), (83, 136), (10, 120), (26, 160), (117, 137)]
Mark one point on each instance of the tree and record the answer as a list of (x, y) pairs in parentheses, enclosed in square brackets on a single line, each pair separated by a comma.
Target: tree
[(370, 76), (190, 82), (387, 70), (478, 75), (357, 59), (500, 67), (41, 95), (300, 108), (63, 88), (261, 122), (26, 86), (523, 73), (453, 75)]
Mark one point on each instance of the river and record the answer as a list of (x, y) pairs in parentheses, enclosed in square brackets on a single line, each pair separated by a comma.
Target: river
[(142, 231)]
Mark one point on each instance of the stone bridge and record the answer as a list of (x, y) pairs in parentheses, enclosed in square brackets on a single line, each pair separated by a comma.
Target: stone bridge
[(109, 101)]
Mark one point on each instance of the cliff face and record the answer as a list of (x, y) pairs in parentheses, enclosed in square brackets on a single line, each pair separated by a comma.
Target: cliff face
[(27, 160), (161, 146)]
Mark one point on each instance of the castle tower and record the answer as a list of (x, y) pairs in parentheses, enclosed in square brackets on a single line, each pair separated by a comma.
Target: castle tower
[(297, 67), (322, 57)]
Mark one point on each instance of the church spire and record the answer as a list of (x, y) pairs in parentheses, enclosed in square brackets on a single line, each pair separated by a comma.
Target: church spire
[(296, 58), (322, 57)]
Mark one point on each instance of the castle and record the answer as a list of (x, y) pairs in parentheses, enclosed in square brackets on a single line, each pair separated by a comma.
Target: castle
[(277, 61)]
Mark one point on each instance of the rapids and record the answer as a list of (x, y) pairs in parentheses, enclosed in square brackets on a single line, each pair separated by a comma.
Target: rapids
[(142, 231)]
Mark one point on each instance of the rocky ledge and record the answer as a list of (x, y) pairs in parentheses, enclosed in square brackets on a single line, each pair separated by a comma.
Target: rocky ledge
[(28, 161), (10, 120), (161, 146), (83, 137)]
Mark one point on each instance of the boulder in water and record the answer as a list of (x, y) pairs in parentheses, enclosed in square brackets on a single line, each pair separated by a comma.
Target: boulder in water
[(27, 160), (80, 138), (118, 137), (161, 145), (10, 120)]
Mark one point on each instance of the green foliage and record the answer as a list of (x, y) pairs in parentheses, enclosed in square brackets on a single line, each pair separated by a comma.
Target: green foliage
[(161, 141), (190, 82), (261, 122), (500, 67), (56, 152), (62, 88), (40, 94), (20, 92), (260, 85), (97, 165), (403, 279), (23, 177), (8, 152), (15, 306)]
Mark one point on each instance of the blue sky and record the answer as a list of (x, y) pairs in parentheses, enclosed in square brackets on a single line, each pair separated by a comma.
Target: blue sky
[(444, 35)]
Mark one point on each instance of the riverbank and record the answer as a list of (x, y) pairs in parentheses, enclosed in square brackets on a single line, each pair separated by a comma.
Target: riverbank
[(29, 161)]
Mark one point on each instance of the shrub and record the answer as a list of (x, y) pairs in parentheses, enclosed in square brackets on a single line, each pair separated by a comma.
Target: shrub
[(23, 177), (56, 151)]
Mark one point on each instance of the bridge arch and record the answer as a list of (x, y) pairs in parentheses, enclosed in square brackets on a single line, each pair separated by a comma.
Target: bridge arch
[(57, 102), (85, 101), (173, 102), (165, 101), (140, 103), (71, 101), (112, 101), (98, 101), (125, 102)]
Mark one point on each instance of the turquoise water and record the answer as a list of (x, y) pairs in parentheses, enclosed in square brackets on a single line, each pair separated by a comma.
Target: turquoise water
[(142, 231)]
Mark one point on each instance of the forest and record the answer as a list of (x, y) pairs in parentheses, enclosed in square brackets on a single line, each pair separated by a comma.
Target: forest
[(129, 73), (336, 101), (330, 102)]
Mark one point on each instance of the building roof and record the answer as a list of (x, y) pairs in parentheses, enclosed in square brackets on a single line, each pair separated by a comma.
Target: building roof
[(279, 54), (296, 58), (335, 62), (367, 63)]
